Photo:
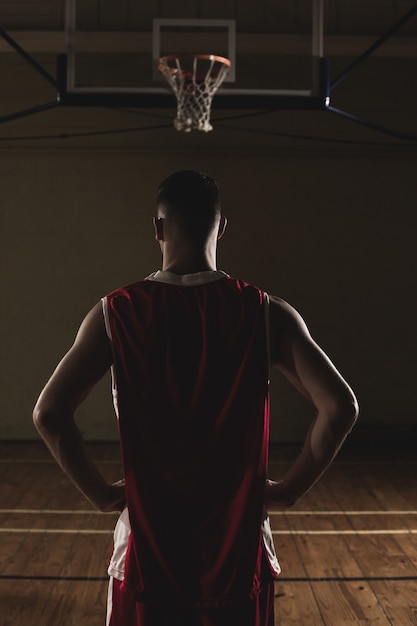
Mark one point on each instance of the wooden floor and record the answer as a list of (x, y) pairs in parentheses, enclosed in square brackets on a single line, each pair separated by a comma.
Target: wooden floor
[(348, 551)]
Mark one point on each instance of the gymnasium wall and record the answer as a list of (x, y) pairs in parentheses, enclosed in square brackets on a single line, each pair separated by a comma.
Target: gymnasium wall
[(330, 232)]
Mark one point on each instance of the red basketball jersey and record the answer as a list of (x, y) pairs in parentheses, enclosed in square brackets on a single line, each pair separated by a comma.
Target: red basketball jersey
[(191, 378)]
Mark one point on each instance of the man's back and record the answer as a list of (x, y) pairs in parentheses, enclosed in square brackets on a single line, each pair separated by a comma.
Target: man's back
[(191, 372)]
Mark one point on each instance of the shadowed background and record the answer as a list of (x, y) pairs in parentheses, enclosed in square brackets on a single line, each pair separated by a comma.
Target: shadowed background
[(323, 218)]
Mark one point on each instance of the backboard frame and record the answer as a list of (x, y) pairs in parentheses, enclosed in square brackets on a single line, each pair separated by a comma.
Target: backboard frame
[(316, 98)]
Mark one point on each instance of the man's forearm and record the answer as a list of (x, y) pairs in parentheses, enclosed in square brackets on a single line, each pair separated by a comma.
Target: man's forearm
[(322, 443), (67, 446)]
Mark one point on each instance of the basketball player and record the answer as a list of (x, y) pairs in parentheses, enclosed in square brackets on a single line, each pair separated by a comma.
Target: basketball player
[(190, 349)]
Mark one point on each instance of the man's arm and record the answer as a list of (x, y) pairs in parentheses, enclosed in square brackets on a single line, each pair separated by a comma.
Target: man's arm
[(307, 367), (82, 367)]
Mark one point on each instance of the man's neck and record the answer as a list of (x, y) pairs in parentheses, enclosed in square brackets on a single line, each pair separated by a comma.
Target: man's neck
[(188, 260)]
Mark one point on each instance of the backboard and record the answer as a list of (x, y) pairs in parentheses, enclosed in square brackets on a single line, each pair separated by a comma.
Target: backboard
[(276, 58)]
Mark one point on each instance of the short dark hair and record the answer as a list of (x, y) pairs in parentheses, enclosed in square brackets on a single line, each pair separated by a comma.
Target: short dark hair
[(192, 199)]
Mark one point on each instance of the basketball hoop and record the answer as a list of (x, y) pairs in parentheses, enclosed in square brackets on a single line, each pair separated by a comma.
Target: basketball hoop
[(194, 79)]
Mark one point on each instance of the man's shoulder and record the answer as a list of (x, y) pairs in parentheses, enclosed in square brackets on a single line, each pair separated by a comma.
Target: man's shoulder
[(284, 317), (280, 305)]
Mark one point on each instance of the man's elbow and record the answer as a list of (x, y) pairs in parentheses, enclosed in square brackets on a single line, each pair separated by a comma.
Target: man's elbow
[(347, 412), (41, 418), (45, 419)]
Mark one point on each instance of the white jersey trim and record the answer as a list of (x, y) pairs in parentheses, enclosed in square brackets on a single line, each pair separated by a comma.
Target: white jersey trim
[(121, 535), (187, 280), (269, 546), (268, 335), (266, 527), (106, 318), (113, 371)]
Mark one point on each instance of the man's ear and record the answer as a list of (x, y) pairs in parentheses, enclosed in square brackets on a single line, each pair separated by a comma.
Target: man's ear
[(222, 226), (158, 224)]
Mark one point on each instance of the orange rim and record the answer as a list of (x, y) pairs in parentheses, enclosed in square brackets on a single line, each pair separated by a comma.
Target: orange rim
[(163, 62), (207, 57)]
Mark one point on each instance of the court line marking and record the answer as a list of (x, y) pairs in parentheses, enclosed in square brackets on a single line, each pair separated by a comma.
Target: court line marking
[(331, 579), (312, 512), (56, 512), (89, 531), (98, 461), (271, 463), (286, 579), (54, 531), (280, 513), (349, 463), (63, 578), (396, 531)]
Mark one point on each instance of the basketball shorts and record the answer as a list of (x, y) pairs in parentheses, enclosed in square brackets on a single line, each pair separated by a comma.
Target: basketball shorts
[(123, 610)]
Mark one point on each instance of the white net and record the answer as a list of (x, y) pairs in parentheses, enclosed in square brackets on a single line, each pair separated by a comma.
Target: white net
[(194, 80)]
